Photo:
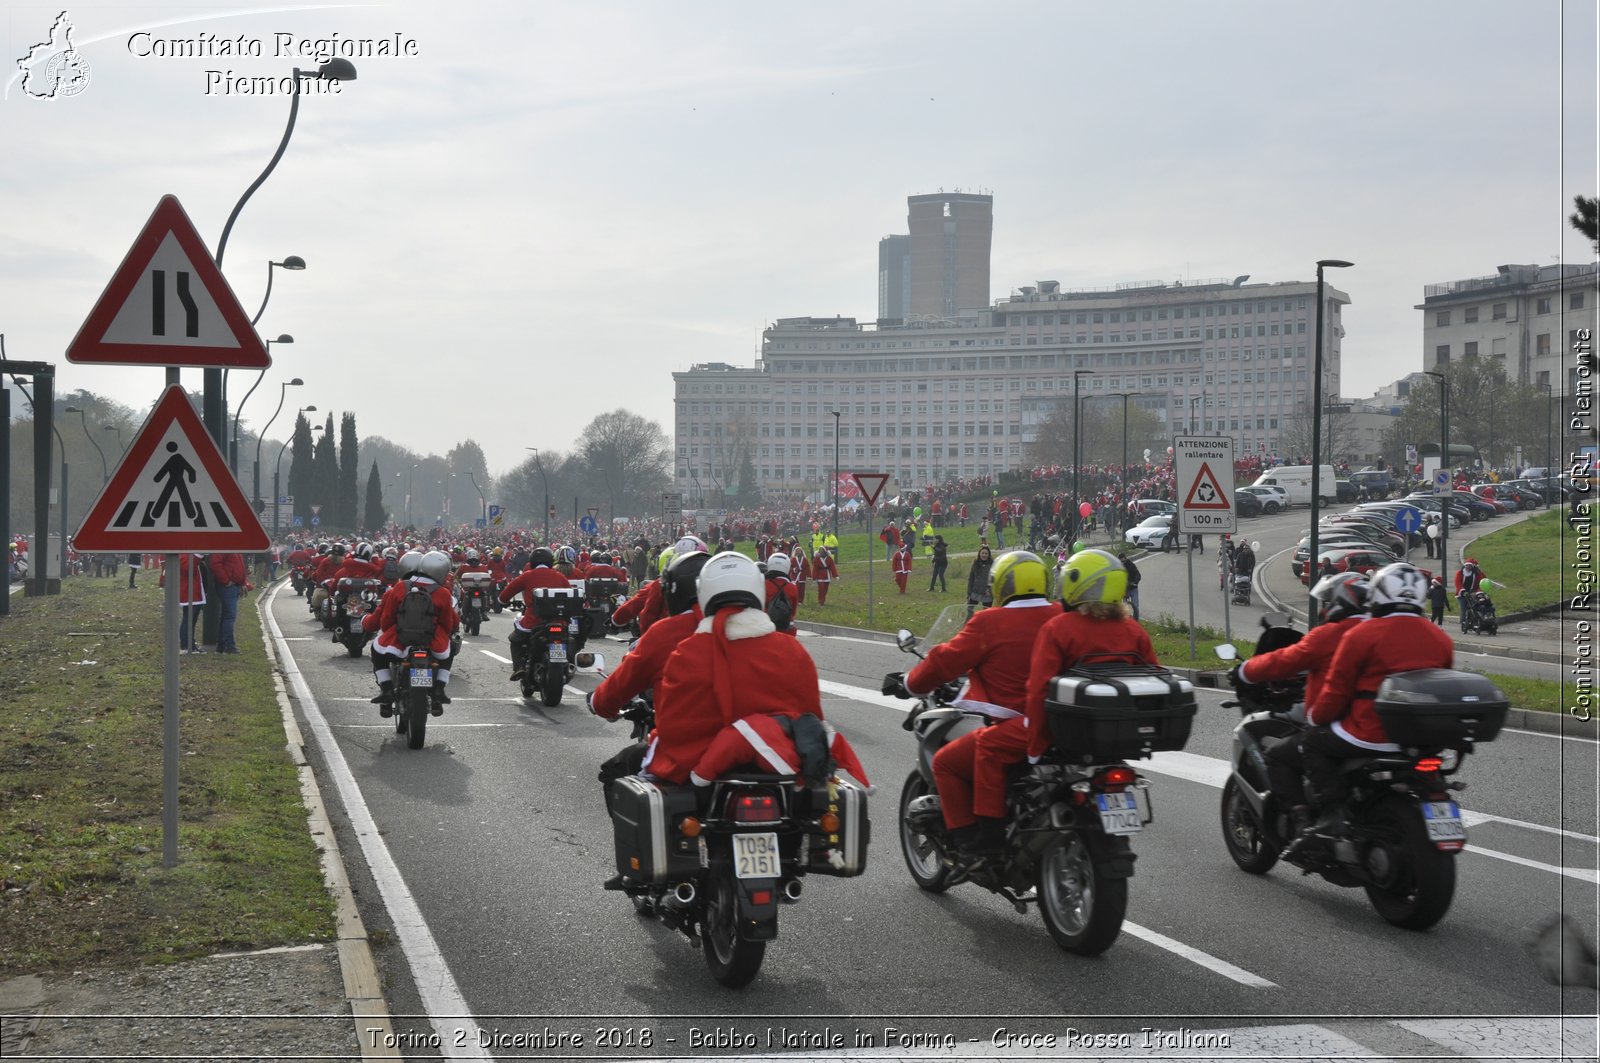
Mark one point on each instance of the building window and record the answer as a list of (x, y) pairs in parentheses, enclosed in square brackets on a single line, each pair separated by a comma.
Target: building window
[(1469, 349), (1470, 315), (1441, 354), (1541, 345), (1497, 312), (1576, 302), (1543, 380), (1542, 306), (1442, 318)]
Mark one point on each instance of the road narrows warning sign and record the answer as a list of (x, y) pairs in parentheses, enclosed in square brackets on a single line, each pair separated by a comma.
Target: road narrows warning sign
[(1203, 466), (172, 492), (168, 304)]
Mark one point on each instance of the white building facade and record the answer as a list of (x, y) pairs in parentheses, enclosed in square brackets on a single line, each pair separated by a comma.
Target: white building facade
[(930, 401)]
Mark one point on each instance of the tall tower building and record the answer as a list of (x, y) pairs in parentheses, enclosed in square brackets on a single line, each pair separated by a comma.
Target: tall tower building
[(951, 233), (894, 278)]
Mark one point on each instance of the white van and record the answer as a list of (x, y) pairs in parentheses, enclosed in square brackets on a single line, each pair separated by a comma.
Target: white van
[(1296, 480)]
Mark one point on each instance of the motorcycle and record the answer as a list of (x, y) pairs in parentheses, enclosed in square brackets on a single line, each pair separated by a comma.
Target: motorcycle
[(352, 601), (601, 597), (716, 861), (300, 578), (495, 605), (1069, 817), (19, 570), (556, 631), (1405, 826), (476, 599), (1242, 586)]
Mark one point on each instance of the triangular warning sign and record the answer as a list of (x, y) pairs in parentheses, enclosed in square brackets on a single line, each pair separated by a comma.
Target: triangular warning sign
[(172, 492), (168, 304), (1206, 492), (871, 484)]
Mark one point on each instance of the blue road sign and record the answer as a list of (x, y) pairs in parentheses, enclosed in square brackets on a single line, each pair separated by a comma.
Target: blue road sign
[(1408, 519), (1441, 482), (494, 511), (315, 521), (479, 522), (299, 522), (588, 525)]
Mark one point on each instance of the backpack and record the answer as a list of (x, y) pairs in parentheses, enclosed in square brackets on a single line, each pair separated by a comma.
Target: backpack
[(779, 609), (810, 739), (391, 570), (416, 617)]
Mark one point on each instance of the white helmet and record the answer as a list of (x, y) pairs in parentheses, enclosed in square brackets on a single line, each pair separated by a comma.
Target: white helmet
[(689, 544), (410, 563), (472, 554), (730, 579), (1397, 588), (435, 565), (778, 564), (364, 551)]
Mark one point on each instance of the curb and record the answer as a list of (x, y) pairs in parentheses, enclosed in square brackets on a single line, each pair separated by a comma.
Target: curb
[(362, 986)]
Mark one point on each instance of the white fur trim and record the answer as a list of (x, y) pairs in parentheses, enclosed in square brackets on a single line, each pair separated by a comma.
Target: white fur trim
[(649, 755), (695, 778), (764, 751), (745, 624), (703, 626)]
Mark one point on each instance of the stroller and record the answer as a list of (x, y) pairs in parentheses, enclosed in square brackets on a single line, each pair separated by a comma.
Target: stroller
[(1242, 585), (1477, 614)]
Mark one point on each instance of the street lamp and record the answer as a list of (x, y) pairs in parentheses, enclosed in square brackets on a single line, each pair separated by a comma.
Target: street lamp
[(1444, 464), (1316, 442), (233, 447), (409, 522), (292, 262), (1549, 437), (255, 479), (214, 398), (83, 416), (483, 503), (1077, 445), (836, 474), (278, 473), (117, 428), (546, 481), (1201, 399), (1122, 486)]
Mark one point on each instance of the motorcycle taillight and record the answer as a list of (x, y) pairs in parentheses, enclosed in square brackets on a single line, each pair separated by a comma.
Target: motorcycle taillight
[(753, 808), (1429, 764), (556, 629), (1115, 779), (420, 655)]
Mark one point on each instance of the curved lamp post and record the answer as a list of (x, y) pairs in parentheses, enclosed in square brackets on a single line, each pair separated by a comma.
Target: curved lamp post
[(537, 460), (278, 473), (233, 445), (1316, 444), (255, 488), (83, 416)]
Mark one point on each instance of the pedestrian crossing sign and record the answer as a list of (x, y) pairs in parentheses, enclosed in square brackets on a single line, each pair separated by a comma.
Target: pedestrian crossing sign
[(172, 492)]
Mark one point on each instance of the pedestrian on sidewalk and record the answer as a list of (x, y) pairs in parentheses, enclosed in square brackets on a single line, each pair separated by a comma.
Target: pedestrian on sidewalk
[(228, 572), (1439, 599), (979, 594), (941, 561), (191, 598), (133, 570), (902, 566)]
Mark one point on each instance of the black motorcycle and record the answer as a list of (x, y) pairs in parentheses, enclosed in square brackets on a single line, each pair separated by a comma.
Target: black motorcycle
[(477, 600), (1405, 826), (1069, 817), (414, 680), (556, 629), (351, 601)]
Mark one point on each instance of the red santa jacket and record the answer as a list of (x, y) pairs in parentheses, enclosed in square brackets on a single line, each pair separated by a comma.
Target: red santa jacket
[(821, 570), (605, 572), (1310, 656), (642, 665), (497, 569), (779, 585), (648, 604), (327, 568), (445, 617), (994, 651), (191, 588), (301, 557), (762, 741), (472, 566), (525, 583), (901, 561), (731, 668), (1069, 637), (228, 570), (1367, 655), (355, 568)]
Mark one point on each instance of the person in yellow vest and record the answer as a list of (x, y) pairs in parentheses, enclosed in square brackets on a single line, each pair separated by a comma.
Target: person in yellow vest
[(831, 541), (816, 539), (927, 539)]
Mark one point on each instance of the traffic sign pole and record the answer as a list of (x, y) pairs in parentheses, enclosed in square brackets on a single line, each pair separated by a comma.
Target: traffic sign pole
[(169, 699)]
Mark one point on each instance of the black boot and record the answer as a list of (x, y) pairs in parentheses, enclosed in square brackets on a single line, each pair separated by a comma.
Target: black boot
[(385, 698), (440, 700), (1300, 825)]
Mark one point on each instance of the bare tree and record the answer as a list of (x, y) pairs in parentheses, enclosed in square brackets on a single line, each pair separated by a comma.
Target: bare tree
[(629, 457), (1338, 432)]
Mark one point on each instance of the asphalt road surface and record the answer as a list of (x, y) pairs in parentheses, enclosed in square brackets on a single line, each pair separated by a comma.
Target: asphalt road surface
[(481, 857)]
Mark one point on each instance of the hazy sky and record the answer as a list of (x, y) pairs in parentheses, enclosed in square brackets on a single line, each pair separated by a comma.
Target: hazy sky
[(553, 206)]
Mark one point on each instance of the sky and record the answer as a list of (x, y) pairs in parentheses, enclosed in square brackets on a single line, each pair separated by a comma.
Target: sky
[(551, 207)]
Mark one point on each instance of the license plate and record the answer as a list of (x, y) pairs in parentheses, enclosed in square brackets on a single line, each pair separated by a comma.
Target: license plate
[(1119, 813), (558, 652), (1443, 820), (572, 625), (755, 855), (422, 677)]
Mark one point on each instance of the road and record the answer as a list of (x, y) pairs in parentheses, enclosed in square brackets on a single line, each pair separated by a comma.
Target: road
[(481, 857)]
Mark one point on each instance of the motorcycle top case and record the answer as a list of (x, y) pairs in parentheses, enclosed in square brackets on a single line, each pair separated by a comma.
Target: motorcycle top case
[(1440, 707), (596, 589), (1119, 711), (842, 853), (645, 817), (555, 603)]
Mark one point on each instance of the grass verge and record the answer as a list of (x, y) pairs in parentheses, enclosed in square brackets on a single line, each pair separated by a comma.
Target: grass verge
[(1527, 559), (80, 775)]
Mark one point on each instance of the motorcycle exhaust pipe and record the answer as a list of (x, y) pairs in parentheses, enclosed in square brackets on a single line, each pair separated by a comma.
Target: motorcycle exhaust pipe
[(792, 890), (683, 894)]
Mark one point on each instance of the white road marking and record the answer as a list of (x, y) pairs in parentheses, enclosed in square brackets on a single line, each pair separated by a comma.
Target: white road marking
[(433, 725), (1194, 955), (1214, 772), (441, 995), (495, 656), (1502, 1037)]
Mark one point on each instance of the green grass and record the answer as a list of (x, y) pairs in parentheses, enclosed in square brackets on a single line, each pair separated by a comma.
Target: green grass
[(1527, 558), (80, 779)]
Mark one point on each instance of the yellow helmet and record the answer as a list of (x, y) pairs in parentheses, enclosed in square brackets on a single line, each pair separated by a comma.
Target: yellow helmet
[(1093, 576), (664, 560), (1018, 574)]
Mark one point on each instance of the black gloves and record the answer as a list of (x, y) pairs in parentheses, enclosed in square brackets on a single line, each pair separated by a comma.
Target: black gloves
[(895, 684)]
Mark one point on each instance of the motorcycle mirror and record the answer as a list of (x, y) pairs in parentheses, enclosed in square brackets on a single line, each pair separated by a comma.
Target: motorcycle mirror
[(1275, 620), (1227, 652), (905, 640), (587, 662)]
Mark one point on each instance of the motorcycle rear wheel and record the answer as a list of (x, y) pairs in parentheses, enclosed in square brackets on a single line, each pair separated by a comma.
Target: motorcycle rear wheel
[(924, 857), (733, 961), (554, 683), (1250, 846), (1081, 905), (417, 709), (354, 646), (1415, 880), (473, 628)]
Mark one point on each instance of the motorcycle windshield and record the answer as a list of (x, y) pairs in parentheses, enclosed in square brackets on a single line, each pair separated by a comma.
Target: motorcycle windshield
[(946, 626)]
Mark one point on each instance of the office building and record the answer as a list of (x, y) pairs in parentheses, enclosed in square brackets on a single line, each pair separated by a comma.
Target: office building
[(894, 279), (948, 251)]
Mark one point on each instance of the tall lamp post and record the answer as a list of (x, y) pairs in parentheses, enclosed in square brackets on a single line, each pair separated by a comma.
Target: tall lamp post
[(255, 479), (1201, 399), (1122, 480), (292, 262), (836, 474), (483, 503), (1549, 438), (214, 399), (117, 428), (409, 522), (277, 474), (537, 460), (1444, 464), (1077, 444), (84, 418), (1316, 441), (233, 443)]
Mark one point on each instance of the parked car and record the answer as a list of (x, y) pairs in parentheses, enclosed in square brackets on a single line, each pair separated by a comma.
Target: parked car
[(1152, 532), (1528, 496), (1149, 507), (1247, 503), (1326, 544), (1377, 482), (1344, 491), (1480, 508), (1517, 497), (1273, 499)]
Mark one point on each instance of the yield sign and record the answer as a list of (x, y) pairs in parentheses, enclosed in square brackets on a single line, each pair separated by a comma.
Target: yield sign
[(871, 484), (168, 304), (172, 492), (1206, 492)]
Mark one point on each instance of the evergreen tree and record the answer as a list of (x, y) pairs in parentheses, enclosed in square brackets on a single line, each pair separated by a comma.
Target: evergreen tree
[(375, 517), (302, 457), (749, 488), (349, 474), (325, 476), (1586, 219)]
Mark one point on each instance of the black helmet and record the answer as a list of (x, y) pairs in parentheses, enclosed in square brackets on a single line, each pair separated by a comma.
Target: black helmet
[(678, 582), (541, 557)]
